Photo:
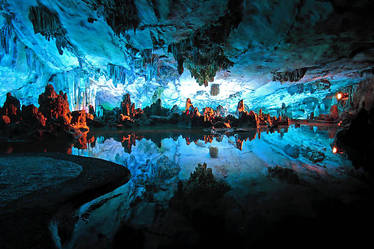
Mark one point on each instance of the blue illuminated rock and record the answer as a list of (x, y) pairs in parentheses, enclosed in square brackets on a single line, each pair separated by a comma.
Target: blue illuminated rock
[(295, 53)]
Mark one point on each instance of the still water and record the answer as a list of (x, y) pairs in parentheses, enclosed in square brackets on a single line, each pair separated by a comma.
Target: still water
[(267, 179), (283, 183)]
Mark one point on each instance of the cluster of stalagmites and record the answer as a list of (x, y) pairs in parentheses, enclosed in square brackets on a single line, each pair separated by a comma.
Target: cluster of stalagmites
[(53, 118), (260, 119), (129, 116)]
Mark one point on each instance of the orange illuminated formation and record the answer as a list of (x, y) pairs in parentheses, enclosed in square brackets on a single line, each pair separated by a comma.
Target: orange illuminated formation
[(128, 111), (241, 107), (342, 96), (208, 138), (124, 117), (130, 140), (53, 116), (334, 150), (209, 114), (239, 143), (216, 119), (188, 105)]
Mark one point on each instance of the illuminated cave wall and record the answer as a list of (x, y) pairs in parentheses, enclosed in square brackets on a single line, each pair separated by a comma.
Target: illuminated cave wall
[(272, 54)]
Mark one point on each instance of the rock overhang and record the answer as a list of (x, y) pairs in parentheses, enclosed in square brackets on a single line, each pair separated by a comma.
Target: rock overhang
[(244, 45)]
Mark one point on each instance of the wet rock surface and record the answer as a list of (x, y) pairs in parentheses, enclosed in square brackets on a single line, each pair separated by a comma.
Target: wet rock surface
[(357, 137), (90, 178), (25, 175), (284, 174)]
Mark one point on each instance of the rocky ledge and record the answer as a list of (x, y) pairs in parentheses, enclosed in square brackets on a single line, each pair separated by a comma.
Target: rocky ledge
[(28, 205)]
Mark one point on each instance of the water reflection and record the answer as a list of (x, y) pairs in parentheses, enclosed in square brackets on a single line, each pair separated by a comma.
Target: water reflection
[(129, 139), (309, 141), (211, 188), (267, 177)]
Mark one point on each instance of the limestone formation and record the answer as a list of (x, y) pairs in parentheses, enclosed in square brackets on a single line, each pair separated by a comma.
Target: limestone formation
[(55, 107), (11, 108)]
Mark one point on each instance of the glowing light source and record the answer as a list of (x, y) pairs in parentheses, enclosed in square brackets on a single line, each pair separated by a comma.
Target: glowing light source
[(334, 150), (339, 96)]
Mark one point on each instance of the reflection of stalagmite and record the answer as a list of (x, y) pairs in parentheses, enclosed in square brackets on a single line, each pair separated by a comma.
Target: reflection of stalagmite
[(239, 144), (188, 105), (240, 108), (214, 89), (246, 119), (213, 152), (209, 114), (78, 120), (190, 110), (220, 111), (129, 141), (208, 138), (196, 112)]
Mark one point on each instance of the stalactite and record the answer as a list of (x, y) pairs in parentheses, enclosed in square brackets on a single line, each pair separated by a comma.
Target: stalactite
[(202, 52), (117, 74), (33, 62), (77, 84), (120, 15), (8, 43), (48, 24), (5, 35)]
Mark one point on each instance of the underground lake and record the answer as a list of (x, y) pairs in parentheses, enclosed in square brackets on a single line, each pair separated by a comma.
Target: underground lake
[(170, 124)]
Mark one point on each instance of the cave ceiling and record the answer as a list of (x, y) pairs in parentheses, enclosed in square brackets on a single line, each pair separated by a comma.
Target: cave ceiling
[(255, 49)]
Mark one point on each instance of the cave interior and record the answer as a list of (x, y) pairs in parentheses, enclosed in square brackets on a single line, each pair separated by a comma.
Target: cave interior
[(186, 123)]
